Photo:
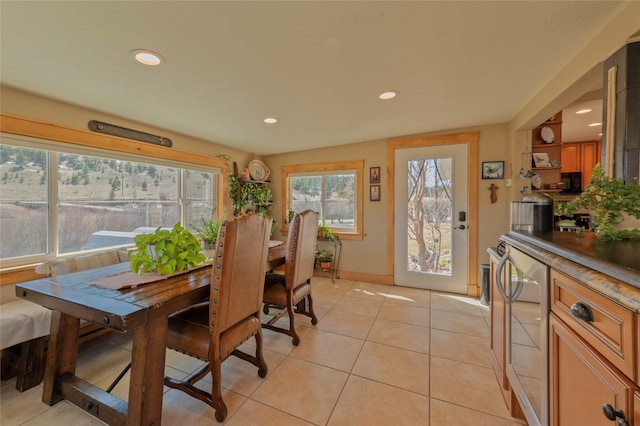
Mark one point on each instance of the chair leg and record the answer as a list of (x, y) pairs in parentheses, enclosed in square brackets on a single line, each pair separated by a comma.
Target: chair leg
[(263, 369), (216, 389), (292, 325), (314, 319)]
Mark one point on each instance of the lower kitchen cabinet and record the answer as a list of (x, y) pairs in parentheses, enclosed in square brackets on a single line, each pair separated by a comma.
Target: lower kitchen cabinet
[(582, 382)]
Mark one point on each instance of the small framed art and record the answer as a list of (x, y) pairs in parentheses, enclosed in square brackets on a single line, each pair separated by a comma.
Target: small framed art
[(374, 175), (493, 170), (541, 159), (374, 193)]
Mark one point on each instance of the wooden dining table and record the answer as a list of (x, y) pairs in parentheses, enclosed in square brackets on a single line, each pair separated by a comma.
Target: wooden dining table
[(142, 310)]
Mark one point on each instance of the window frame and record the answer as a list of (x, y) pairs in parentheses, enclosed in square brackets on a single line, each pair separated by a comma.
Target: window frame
[(323, 168), (52, 137)]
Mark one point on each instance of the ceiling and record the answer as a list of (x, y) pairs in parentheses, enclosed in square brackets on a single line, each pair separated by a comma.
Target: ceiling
[(316, 66)]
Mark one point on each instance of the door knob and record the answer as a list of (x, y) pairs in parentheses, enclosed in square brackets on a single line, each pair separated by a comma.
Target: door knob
[(460, 227)]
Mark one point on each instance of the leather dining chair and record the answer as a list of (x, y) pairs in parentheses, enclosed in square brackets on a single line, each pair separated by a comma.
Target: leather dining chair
[(212, 331), (292, 291)]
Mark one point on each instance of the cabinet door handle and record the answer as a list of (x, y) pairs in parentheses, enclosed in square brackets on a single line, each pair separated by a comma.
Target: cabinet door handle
[(611, 414), (582, 311)]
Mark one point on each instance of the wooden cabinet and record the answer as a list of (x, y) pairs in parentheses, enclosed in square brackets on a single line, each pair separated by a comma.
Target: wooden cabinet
[(580, 157), (592, 355), (582, 381), (497, 341), (549, 175)]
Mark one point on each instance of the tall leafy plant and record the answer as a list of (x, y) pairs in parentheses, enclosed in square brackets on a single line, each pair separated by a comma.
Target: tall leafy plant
[(608, 200)]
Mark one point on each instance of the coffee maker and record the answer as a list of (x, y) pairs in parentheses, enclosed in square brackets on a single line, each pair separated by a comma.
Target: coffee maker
[(542, 211)]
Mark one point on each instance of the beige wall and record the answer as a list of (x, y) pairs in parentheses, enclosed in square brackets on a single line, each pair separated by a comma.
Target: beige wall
[(363, 258), (496, 143), (582, 74), (32, 106), (369, 255)]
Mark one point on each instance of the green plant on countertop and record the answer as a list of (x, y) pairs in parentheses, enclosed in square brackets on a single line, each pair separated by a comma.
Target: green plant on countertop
[(166, 251), (325, 233), (607, 200)]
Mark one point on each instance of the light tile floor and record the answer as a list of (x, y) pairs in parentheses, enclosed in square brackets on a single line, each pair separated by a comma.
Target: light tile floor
[(380, 355)]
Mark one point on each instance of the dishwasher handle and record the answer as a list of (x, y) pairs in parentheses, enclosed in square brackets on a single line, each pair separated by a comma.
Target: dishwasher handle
[(512, 294)]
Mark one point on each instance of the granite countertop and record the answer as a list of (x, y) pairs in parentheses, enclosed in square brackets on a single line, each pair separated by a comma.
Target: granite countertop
[(618, 259), (611, 267)]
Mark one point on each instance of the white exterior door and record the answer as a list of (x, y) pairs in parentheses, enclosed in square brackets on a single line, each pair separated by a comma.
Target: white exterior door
[(430, 229)]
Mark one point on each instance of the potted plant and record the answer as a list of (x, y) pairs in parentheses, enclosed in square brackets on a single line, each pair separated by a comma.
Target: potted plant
[(208, 233), (325, 233), (166, 251), (324, 259), (608, 201)]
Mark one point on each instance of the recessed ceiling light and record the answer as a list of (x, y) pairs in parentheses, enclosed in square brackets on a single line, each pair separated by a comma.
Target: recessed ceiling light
[(388, 95), (271, 120), (595, 124), (584, 111), (147, 57)]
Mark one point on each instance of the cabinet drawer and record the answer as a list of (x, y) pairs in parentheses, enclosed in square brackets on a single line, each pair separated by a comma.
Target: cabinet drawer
[(611, 329)]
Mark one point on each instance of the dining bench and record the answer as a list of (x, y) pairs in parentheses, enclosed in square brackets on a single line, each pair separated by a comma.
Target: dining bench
[(24, 326)]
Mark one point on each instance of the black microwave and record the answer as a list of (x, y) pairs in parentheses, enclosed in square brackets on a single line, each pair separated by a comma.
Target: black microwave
[(571, 182)]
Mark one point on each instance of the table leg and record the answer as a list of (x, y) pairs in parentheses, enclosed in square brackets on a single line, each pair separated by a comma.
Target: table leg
[(61, 354), (147, 372)]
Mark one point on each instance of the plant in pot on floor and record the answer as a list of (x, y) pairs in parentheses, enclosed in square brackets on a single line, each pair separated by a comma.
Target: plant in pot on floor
[(324, 259), (166, 251)]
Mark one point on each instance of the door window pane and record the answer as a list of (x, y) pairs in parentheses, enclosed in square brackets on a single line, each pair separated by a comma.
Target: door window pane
[(429, 218)]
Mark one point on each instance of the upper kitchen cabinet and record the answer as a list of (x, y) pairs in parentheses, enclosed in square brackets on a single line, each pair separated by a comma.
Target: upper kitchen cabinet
[(546, 140), (580, 157)]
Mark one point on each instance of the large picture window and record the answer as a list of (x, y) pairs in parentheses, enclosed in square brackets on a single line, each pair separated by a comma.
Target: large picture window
[(332, 189), (54, 202)]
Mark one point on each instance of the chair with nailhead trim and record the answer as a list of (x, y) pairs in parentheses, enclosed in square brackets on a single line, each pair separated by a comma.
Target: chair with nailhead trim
[(212, 331), (291, 292)]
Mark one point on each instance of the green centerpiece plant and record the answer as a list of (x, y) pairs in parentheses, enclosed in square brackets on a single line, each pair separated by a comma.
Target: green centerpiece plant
[(608, 201), (165, 251)]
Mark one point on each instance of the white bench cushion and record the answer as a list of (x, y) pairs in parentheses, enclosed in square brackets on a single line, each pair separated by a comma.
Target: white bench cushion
[(22, 320), (80, 263)]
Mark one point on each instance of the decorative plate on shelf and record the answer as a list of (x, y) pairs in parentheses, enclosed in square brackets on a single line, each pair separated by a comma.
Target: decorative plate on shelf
[(536, 182), (547, 134), (259, 171)]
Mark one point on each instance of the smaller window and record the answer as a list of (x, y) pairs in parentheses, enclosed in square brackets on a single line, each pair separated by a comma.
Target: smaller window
[(332, 189)]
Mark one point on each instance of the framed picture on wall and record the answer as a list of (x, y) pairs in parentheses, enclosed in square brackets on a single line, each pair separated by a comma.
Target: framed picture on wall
[(374, 193), (493, 170), (374, 175)]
